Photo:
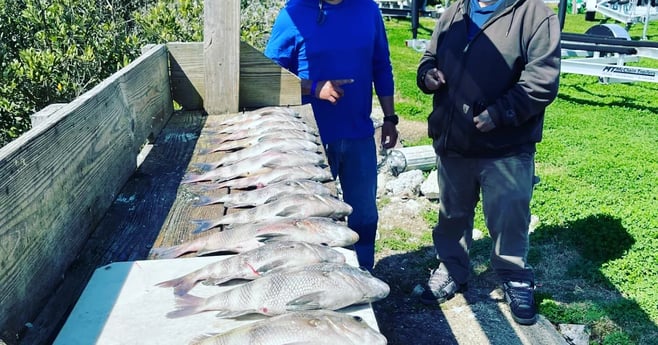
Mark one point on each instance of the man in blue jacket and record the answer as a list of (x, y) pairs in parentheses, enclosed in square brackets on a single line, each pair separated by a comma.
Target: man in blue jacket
[(339, 50), (493, 67)]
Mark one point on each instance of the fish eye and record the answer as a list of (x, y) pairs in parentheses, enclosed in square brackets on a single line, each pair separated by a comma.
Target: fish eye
[(357, 318), (325, 244)]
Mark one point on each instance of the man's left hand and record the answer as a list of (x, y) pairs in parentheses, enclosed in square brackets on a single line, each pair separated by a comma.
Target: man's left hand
[(483, 122), (389, 135)]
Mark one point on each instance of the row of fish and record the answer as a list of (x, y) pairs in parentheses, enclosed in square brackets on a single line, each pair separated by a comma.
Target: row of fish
[(283, 223)]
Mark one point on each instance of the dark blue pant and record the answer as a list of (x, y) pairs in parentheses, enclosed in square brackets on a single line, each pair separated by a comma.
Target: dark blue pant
[(354, 163), (506, 186)]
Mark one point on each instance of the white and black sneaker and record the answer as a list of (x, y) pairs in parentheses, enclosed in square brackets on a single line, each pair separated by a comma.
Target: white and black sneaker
[(440, 288), (521, 299)]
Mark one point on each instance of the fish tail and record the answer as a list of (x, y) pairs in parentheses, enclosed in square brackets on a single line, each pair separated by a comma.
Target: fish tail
[(190, 178), (205, 200), (187, 305), (181, 285), (205, 166), (208, 187), (203, 225), (169, 252)]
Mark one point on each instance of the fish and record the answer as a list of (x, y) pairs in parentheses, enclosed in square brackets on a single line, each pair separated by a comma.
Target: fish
[(318, 327), (290, 205), (281, 144), (243, 237), (252, 132), (311, 172), (271, 122), (234, 145), (266, 194), (255, 263), (318, 286), (279, 112), (257, 164)]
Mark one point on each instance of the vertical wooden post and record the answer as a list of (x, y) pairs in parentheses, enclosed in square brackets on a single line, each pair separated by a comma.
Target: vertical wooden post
[(221, 51)]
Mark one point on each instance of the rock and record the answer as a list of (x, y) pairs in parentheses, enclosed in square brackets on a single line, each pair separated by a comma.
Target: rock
[(430, 187), (407, 184), (574, 334)]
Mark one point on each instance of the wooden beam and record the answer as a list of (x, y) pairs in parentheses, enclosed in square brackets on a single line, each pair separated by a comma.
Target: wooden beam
[(58, 179), (262, 82), (221, 52)]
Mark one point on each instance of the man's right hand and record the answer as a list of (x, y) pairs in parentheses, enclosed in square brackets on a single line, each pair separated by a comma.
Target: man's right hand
[(331, 90), (434, 79)]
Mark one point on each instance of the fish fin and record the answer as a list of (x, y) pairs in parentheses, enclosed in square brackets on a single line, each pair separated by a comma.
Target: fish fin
[(168, 252), (264, 238), (216, 281), (271, 266), (218, 250), (187, 305), (230, 314), (199, 339), (203, 225), (292, 209), (306, 302)]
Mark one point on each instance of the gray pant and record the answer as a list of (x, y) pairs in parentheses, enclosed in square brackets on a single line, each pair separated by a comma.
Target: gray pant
[(506, 186)]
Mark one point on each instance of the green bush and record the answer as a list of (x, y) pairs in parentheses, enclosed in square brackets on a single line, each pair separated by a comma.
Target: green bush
[(54, 50), (61, 48)]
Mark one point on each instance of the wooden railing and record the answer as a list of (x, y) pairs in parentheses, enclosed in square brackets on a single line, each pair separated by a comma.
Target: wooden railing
[(58, 180)]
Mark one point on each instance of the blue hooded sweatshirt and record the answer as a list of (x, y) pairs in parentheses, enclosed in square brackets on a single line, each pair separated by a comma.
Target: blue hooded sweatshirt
[(343, 41)]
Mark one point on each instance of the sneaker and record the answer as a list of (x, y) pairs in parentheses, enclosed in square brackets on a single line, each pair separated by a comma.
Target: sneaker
[(521, 300), (440, 288)]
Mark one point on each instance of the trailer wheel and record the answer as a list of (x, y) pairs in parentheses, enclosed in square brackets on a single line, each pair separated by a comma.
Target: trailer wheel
[(609, 30)]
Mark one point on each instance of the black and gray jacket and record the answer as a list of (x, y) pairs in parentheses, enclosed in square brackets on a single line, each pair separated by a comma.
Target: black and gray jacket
[(511, 68)]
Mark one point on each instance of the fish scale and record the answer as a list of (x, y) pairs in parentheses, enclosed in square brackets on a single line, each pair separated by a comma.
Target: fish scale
[(318, 327), (293, 205), (320, 286), (248, 236)]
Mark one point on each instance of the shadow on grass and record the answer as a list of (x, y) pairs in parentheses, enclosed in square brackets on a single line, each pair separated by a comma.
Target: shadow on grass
[(585, 245), (585, 293), (622, 103)]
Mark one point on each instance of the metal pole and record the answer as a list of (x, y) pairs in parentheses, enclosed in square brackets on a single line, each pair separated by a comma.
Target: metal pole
[(414, 18)]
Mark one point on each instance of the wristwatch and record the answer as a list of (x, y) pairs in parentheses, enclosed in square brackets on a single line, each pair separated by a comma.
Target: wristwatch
[(394, 119)]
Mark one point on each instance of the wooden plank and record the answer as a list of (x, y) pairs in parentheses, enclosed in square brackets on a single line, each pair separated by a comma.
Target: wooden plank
[(177, 228), (132, 222), (58, 179), (42, 115), (187, 74), (221, 53), (262, 82)]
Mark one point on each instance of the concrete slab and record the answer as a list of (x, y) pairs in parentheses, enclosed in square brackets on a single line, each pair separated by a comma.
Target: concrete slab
[(482, 316)]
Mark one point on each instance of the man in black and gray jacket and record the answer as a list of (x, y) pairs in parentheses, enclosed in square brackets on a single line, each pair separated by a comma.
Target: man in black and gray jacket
[(493, 67)]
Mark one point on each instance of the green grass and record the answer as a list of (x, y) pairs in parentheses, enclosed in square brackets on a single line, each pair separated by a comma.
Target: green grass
[(597, 200)]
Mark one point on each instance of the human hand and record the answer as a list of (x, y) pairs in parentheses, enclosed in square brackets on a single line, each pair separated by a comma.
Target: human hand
[(434, 79), (389, 135), (331, 90), (483, 122)]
